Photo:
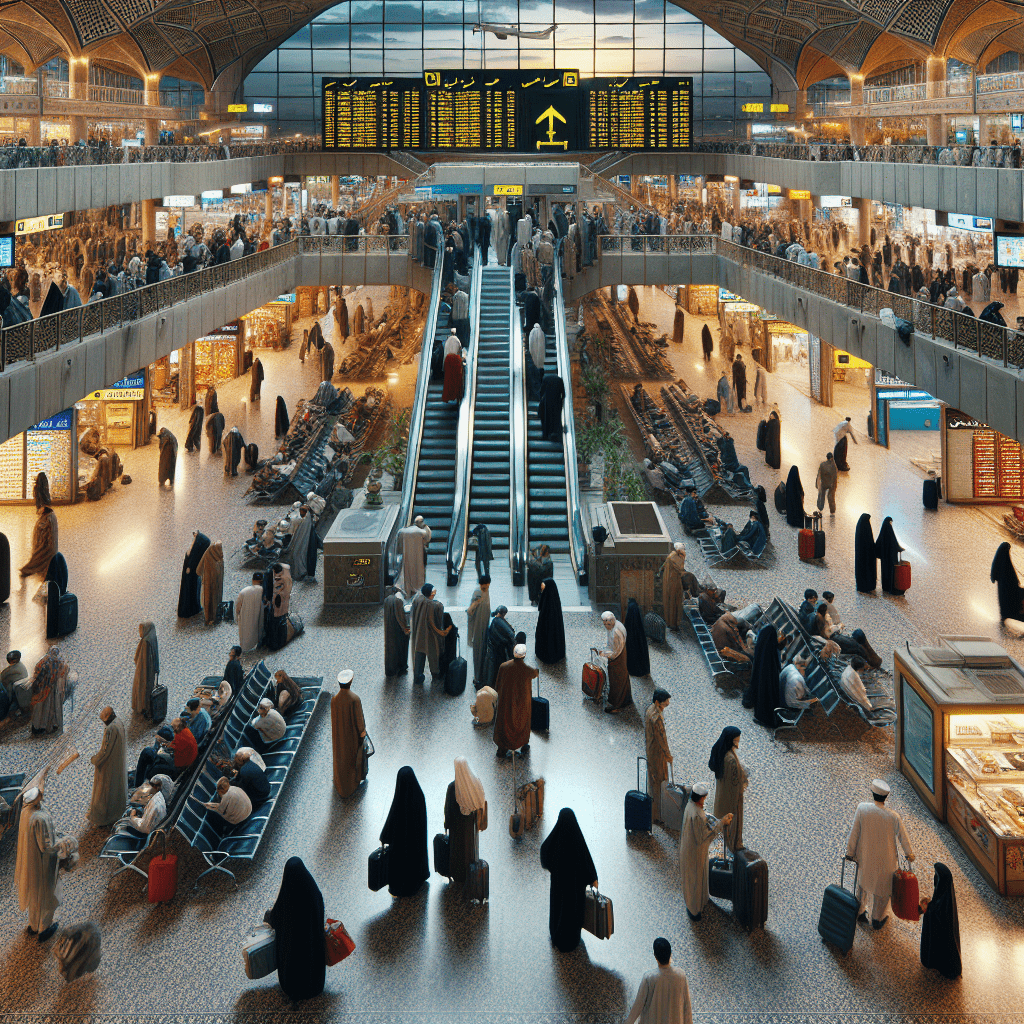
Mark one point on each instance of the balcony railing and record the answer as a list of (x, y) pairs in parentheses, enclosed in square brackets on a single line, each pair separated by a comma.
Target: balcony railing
[(11, 85), (896, 93), (113, 94), (56, 89), (958, 87), (1008, 81)]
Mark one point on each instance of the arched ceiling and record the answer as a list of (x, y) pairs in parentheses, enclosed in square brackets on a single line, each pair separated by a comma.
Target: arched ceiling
[(796, 41)]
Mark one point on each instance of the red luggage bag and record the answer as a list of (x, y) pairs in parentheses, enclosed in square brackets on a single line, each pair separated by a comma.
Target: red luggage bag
[(806, 545), (593, 677), (906, 897), (901, 576), (163, 873)]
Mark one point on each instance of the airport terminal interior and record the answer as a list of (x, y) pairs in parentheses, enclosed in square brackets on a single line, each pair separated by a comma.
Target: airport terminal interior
[(701, 317)]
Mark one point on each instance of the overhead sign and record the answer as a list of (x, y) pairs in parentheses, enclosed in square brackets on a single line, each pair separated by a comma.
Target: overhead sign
[(799, 193), (835, 201), (30, 225), (508, 190), (752, 108), (263, 108), (213, 193), (968, 223), (62, 421), (238, 108), (780, 108), (241, 190), (181, 201), (118, 394)]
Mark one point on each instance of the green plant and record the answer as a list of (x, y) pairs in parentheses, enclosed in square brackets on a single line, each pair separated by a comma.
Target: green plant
[(593, 437), (595, 383)]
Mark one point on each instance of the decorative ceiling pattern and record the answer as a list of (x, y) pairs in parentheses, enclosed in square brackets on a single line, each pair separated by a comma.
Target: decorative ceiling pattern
[(795, 41)]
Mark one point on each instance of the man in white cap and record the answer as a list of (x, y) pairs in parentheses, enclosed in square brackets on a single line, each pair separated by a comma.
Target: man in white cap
[(695, 839), (269, 725), (872, 845), (514, 685), (36, 870), (414, 540)]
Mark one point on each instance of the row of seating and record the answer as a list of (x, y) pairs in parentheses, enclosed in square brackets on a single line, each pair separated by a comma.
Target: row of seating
[(716, 555), (242, 841), (724, 671)]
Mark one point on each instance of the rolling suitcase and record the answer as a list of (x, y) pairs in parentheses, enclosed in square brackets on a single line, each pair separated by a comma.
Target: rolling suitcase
[(377, 869), (540, 712), (259, 952), (837, 922), (780, 498), (517, 819), (5, 568), (598, 914), (720, 871), (819, 537), (673, 802), (455, 676), (442, 854), (930, 493), (805, 545), (639, 806), (593, 678), (654, 627), (158, 703), (64, 619), (162, 881), (478, 882), (900, 579), (750, 889)]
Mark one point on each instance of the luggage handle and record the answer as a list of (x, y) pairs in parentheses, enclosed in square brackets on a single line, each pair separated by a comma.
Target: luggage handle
[(842, 874), (161, 832), (647, 777)]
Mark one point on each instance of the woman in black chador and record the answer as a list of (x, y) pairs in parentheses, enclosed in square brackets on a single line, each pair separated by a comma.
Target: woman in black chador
[(763, 692), (194, 438), (795, 514), (189, 602), (940, 927), (1004, 576), (865, 561), (405, 835), (888, 549), (549, 643), (638, 657), (297, 918), (500, 641), (281, 417), (565, 854), (773, 440)]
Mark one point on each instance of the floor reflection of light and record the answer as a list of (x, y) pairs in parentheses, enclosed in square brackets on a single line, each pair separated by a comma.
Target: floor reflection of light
[(983, 611), (126, 552)]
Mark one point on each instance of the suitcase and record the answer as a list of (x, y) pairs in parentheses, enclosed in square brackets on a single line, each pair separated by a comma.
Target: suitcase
[(158, 703), (805, 545), (819, 537), (762, 441), (780, 499), (5, 568), (162, 881), (930, 493), (654, 627), (900, 579), (837, 922), (65, 620), (442, 854), (377, 869), (639, 806), (455, 675), (226, 611), (673, 802), (598, 914), (478, 882), (906, 896), (259, 952), (593, 678), (712, 406), (750, 889), (720, 880), (517, 819), (540, 712)]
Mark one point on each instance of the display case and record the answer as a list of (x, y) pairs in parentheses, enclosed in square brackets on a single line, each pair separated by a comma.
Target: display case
[(960, 742), (217, 358), (48, 447)]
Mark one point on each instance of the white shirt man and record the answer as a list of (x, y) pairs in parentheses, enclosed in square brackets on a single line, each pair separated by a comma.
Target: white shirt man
[(155, 811), (452, 345), (844, 428), (269, 723), (538, 345), (872, 844), (664, 994), (793, 685), (854, 686)]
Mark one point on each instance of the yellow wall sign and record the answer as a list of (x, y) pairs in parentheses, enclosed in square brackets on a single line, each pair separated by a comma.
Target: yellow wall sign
[(238, 108), (774, 190), (30, 225), (799, 193), (117, 395), (753, 108), (508, 190), (780, 108)]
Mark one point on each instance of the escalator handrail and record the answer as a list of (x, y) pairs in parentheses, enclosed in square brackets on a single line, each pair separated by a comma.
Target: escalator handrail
[(518, 493), (577, 542), (419, 406), (458, 533)]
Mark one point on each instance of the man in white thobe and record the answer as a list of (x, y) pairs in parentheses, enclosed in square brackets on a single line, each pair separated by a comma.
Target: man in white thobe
[(695, 839), (664, 994), (872, 844), (844, 429), (249, 614), (452, 345), (538, 346), (36, 871), (415, 539)]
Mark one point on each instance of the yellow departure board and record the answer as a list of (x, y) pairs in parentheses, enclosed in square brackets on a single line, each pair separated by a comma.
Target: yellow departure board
[(373, 114), (639, 113)]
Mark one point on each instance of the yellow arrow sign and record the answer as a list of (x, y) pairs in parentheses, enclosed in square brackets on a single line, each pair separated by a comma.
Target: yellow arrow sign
[(549, 115)]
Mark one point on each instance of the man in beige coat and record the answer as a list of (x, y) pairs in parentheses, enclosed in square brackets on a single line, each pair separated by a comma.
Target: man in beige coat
[(110, 781), (659, 756), (515, 690), (348, 731)]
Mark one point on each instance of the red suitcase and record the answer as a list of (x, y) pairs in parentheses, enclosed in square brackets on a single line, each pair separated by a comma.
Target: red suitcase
[(906, 897), (806, 545), (901, 576), (163, 873), (593, 678)]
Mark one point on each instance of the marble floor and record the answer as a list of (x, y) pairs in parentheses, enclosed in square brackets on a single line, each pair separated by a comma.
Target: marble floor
[(433, 957)]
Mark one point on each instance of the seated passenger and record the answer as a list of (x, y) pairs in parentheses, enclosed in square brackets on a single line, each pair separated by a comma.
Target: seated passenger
[(155, 809), (852, 684), (268, 724), (249, 776), (692, 512), (287, 694), (217, 701), (794, 689), (173, 751), (808, 610), (183, 748), (725, 633), (753, 534), (232, 807), (199, 720)]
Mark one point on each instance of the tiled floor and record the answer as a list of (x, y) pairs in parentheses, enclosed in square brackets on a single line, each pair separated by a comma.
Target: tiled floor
[(434, 958)]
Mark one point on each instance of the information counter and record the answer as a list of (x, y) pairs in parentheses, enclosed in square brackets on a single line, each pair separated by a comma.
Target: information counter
[(960, 742)]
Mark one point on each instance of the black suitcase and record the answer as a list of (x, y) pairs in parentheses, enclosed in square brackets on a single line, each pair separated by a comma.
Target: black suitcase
[(639, 806), (455, 677), (712, 406), (720, 869), (540, 712), (158, 703), (5, 568), (762, 429), (377, 869), (837, 922), (478, 882), (819, 537), (65, 619), (930, 493), (750, 889), (442, 854)]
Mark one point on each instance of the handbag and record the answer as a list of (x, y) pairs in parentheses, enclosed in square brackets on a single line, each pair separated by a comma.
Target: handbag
[(598, 914), (337, 942), (259, 951), (906, 896), (377, 869)]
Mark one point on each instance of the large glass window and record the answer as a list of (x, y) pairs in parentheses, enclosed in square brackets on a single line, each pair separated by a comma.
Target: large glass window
[(599, 37)]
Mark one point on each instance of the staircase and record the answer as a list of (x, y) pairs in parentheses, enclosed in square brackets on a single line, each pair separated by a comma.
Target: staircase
[(490, 479)]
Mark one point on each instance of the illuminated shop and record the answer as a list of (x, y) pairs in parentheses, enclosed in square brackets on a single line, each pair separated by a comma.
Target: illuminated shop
[(119, 413), (49, 447)]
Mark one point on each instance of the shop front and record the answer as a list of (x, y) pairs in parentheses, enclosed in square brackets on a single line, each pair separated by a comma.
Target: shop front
[(219, 357), (784, 344), (119, 413), (897, 405), (49, 447), (269, 326), (960, 743), (979, 465)]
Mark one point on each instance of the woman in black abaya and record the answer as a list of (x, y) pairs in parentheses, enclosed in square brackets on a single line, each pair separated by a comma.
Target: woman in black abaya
[(565, 854), (297, 918), (707, 343), (839, 454), (405, 835), (773, 440), (549, 408), (281, 417), (638, 657), (888, 549), (194, 438), (189, 602), (865, 561), (500, 640), (1008, 586), (940, 927), (763, 692), (760, 497), (795, 514), (549, 643)]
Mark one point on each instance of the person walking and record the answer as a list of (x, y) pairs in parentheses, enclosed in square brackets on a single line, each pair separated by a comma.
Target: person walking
[(465, 816), (659, 754), (297, 918), (109, 786), (478, 616), (724, 393), (348, 736), (707, 343), (940, 927), (761, 385), (826, 481), (514, 686), (732, 781), (620, 693), (739, 380), (565, 854), (664, 993), (872, 844), (405, 835)]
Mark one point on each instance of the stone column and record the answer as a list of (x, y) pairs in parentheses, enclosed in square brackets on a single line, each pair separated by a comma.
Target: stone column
[(736, 192), (936, 126), (149, 222), (78, 89), (936, 72), (863, 220), (35, 131), (335, 192), (983, 137), (152, 99), (269, 211), (858, 133)]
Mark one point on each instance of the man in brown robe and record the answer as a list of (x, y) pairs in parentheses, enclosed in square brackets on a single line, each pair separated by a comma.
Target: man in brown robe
[(672, 573), (44, 542), (255, 380), (725, 632), (659, 756), (348, 731), (211, 569), (110, 781), (515, 689)]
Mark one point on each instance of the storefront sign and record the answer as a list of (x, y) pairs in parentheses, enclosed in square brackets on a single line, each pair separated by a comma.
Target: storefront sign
[(958, 421), (752, 108), (286, 298), (263, 108), (30, 225), (275, 181), (131, 389), (799, 193), (968, 223), (881, 377), (241, 190), (741, 307), (727, 296), (213, 194), (780, 108), (179, 201), (6, 251), (238, 108), (62, 421), (508, 190), (835, 201)]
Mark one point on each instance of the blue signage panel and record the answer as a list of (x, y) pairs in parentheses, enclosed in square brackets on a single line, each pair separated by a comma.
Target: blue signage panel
[(138, 381), (62, 421)]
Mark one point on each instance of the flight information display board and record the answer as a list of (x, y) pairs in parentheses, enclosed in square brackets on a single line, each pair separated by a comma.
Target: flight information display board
[(507, 111)]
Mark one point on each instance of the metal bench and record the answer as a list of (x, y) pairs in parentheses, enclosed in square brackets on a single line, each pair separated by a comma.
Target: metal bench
[(711, 547), (722, 669), (242, 841)]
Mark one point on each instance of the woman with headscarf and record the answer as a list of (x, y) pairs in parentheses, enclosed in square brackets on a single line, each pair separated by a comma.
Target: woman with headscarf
[(452, 389), (396, 633), (887, 550), (762, 694), (565, 854), (281, 420), (549, 643), (298, 547), (168, 457), (49, 685), (255, 379), (865, 560), (41, 491), (405, 835), (281, 625), (147, 668), (538, 569), (795, 514), (940, 927), (1003, 574), (500, 642), (211, 570), (638, 657), (298, 919), (215, 431), (760, 497), (44, 542), (189, 594), (465, 816), (194, 437), (731, 782), (773, 440)]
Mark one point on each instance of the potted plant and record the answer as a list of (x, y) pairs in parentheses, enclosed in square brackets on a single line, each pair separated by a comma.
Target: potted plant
[(595, 384)]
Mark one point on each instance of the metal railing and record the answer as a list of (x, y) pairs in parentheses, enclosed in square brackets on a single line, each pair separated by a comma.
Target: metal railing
[(15, 85), (518, 469), (896, 93), (1007, 81), (959, 155), (57, 89), (682, 245), (458, 533), (114, 94), (387, 244)]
